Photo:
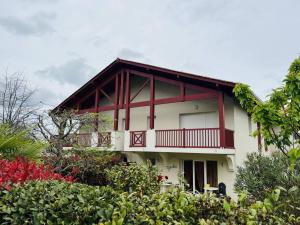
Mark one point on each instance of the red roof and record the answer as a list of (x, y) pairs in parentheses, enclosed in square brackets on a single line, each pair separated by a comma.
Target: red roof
[(121, 63)]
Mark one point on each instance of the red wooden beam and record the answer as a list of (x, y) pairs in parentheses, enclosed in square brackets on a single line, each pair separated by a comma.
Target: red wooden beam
[(152, 96), (105, 94), (166, 100), (97, 110), (97, 87), (170, 81), (160, 101), (139, 104), (86, 97), (116, 110), (97, 100), (221, 118), (122, 90), (200, 96), (199, 88), (139, 90), (127, 112), (106, 108), (105, 82)]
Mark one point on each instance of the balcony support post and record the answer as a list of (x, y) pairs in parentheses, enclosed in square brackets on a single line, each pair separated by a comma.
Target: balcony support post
[(127, 112), (116, 100), (221, 119), (152, 96), (122, 91)]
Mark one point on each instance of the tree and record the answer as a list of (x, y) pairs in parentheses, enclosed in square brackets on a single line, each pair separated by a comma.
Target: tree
[(58, 128), (279, 116), (16, 105)]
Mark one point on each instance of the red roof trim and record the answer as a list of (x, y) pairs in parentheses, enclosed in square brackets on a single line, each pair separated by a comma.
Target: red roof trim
[(147, 67)]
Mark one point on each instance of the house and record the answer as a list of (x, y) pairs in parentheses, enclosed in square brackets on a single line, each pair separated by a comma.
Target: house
[(188, 125)]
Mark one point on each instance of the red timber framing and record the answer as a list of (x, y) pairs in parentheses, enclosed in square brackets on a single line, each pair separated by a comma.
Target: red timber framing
[(123, 100), (127, 112)]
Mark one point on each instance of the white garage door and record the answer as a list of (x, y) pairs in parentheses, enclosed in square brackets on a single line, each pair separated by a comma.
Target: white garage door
[(199, 120)]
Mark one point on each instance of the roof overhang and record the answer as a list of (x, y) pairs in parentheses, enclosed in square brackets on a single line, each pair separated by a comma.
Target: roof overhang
[(119, 64)]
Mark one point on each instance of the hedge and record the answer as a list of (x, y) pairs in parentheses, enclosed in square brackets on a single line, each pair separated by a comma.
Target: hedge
[(55, 202)]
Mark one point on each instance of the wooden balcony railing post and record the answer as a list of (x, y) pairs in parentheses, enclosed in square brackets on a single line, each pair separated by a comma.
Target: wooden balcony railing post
[(183, 138), (193, 138)]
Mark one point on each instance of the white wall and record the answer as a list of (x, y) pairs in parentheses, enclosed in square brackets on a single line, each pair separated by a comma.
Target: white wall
[(170, 164)]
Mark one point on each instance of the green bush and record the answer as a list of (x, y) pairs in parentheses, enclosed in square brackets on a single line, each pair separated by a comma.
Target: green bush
[(134, 177), (261, 174), (67, 203), (86, 166), (55, 203), (14, 143)]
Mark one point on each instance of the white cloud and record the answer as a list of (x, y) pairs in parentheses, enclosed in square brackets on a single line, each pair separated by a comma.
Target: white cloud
[(247, 41)]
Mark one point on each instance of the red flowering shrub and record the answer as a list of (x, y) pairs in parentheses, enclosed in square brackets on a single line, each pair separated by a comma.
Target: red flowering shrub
[(21, 170)]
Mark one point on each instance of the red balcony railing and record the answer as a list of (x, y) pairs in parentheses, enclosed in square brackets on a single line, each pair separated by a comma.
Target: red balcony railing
[(193, 138), (84, 139), (104, 139), (137, 138)]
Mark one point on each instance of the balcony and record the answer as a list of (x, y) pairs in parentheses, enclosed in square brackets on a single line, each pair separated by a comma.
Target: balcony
[(106, 140), (199, 140)]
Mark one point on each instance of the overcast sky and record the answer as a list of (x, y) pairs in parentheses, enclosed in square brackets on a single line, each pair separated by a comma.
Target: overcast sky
[(60, 44)]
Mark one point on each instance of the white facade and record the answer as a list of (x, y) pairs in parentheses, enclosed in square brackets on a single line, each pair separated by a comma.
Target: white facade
[(189, 114), (200, 131)]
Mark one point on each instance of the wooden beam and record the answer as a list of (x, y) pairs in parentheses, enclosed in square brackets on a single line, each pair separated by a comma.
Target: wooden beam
[(86, 97), (116, 110), (174, 82), (139, 90), (200, 96), (221, 119), (122, 90), (139, 104), (97, 110), (106, 95), (152, 98), (97, 100), (106, 108), (127, 112)]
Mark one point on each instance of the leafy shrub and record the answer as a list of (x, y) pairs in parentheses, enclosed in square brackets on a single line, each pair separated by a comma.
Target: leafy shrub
[(87, 166), (132, 177), (21, 170), (261, 174), (15, 143), (72, 203), (55, 203)]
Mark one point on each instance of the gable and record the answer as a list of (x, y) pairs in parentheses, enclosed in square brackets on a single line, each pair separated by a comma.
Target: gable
[(167, 83)]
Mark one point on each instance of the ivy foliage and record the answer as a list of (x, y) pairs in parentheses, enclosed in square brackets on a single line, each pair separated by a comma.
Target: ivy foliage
[(56, 202), (279, 116)]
